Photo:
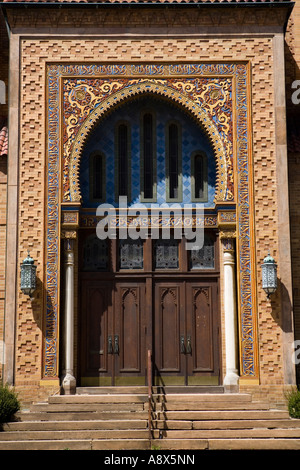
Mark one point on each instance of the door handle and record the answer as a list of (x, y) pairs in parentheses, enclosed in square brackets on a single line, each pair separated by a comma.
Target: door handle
[(189, 345), (110, 346), (116, 346), (182, 346)]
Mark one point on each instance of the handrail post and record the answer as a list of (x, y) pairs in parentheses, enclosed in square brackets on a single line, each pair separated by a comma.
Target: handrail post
[(149, 379)]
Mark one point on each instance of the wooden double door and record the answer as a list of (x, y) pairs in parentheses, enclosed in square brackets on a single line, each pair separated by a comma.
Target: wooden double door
[(174, 315)]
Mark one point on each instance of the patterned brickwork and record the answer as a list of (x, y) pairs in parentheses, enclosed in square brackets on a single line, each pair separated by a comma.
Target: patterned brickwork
[(292, 52), (32, 226)]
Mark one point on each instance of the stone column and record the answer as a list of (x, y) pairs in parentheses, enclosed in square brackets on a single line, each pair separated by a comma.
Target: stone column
[(69, 381), (231, 380)]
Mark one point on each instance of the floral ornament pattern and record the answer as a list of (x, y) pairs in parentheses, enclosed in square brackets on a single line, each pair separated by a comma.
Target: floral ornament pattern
[(208, 99)]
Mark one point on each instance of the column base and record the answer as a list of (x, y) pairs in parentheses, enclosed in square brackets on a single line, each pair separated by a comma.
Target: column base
[(231, 382), (69, 384)]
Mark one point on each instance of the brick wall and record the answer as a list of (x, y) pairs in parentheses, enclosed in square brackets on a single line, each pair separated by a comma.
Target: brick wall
[(293, 119), (34, 55)]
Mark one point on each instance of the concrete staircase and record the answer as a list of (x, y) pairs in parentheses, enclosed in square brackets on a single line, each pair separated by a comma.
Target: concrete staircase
[(117, 418)]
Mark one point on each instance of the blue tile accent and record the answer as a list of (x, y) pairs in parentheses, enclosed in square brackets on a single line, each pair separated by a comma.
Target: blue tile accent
[(102, 139)]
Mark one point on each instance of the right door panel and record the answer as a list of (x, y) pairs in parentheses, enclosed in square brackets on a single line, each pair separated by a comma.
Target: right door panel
[(202, 333)]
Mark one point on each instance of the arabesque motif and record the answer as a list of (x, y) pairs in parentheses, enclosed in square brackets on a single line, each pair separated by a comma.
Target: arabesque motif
[(208, 100)]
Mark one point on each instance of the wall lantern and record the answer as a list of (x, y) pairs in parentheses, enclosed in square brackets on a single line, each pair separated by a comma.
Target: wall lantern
[(269, 275), (28, 276)]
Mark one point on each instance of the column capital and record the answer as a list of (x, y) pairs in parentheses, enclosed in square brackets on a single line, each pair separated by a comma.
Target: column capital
[(226, 234), (69, 234), (228, 243)]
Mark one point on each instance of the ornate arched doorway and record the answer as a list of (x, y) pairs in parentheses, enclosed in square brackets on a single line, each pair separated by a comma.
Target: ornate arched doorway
[(150, 293), (216, 96)]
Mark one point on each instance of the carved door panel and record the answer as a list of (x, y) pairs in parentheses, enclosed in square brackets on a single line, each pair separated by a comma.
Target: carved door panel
[(169, 329), (96, 323), (129, 333), (113, 333), (202, 333), (186, 333)]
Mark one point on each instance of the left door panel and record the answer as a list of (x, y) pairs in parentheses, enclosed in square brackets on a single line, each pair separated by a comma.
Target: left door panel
[(96, 324)]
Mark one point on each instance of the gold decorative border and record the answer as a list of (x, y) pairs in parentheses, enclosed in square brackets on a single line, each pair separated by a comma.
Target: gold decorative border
[(239, 74), (119, 91)]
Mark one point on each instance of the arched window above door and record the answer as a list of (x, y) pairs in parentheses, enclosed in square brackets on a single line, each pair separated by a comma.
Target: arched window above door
[(154, 153)]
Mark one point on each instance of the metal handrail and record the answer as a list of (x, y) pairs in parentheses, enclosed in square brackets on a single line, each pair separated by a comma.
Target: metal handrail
[(149, 379)]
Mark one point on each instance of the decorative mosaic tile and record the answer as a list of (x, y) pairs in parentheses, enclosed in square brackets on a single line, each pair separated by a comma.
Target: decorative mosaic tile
[(102, 139)]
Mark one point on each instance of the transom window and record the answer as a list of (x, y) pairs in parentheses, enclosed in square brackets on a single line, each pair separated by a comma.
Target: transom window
[(149, 255)]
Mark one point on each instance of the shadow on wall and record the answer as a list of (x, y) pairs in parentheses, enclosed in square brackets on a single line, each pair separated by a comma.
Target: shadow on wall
[(282, 308)]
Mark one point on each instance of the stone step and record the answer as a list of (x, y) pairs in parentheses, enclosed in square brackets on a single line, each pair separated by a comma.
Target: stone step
[(218, 415), (253, 444), (212, 398), (86, 407), (106, 418), (87, 399), (168, 444), (232, 433), (190, 406), (160, 416), (227, 444), (141, 398), (81, 416), (102, 444), (133, 407), (228, 424), (73, 434), (131, 390), (22, 426), (157, 389)]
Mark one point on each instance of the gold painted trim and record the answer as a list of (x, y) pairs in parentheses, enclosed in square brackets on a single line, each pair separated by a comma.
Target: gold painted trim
[(155, 87)]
